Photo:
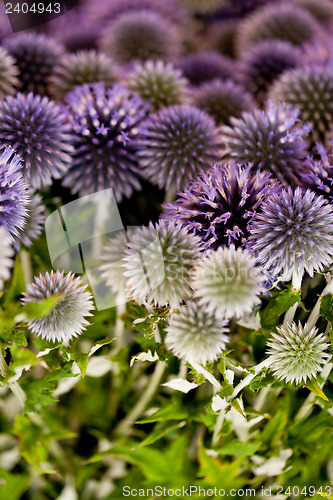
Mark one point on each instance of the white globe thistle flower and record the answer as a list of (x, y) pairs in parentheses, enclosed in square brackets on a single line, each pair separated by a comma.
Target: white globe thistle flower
[(66, 320), (159, 262), (195, 334), (228, 282), (297, 354), (6, 254), (112, 256)]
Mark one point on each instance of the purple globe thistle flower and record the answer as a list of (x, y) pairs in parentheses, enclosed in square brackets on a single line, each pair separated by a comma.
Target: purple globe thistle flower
[(222, 99), (322, 11), (8, 74), (228, 282), (103, 11), (35, 221), (205, 66), (297, 353), (72, 303), (14, 197), (35, 55), (309, 89), (6, 256), (219, 206), (281, 21), (140, 35), (264, 63), (159, 83), (85, 66), (105, 124), (319, 177), (270, 140), (176, 144), (319, 51), (293, 233), (159, 262), (196, 335), (39, 131)]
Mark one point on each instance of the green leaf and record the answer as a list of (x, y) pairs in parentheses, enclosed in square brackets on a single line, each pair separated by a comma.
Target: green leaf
[(12, 486), (278, 304), (326, 308), (80, 358), (12, 336), (37, 310), (314, 387), (161, 429), (17, 284), (99, 344), (212, 470), (238, 449), (171, 412)]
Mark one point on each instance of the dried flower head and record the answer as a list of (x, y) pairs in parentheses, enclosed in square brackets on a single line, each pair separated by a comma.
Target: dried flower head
[(39, 132), (105, 125), (297, 353), (196, 335), (72, 303), (85, 66), (293, 233), (220, 204), (159, 261), (228, 282), (176, 144), (269, 140)]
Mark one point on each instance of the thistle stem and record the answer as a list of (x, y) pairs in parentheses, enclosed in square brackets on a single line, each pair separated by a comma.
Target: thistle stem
[(218, 427), (290, 314), (200, 369), (245, 382), (313, 318)]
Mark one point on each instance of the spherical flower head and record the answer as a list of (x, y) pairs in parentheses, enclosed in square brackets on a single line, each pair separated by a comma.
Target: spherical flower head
[(281, 21), (222, 99), (159, 261), (39, 131), (14, 198), (35, 55), (318, 51), (140, 35), (85, 66), (205, 66), (271, 140), (219, 206), (159, 83), (310, 90), (265, 62), (72, 304), (228, 282), (112, 256), (8, 73), (196, 335), (35, 222), (105, 125), (176, 144), (297, 353), (319, 177), (6, 256), (293, 233)]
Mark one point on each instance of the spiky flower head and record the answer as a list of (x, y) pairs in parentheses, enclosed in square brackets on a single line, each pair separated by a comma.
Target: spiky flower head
[(112, 256), (14, 198), (8, 73), (85, 66), (319, 177), (220, 204), (35, 222), (140, 35), (280, 21), (297, 353), (264, 63), (72, 303), (322, 11), (159, 261), (222, 99), (293, 233), (205, 66), (196, 335), (270, 140), (6, 254), (35, 55), (309, 89), (176, 144), (159, 83), (319, 51), (228, 282), (105, 125), (39, 131)]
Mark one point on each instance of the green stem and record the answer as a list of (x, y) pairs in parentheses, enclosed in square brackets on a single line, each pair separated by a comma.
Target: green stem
[(245, 382)]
